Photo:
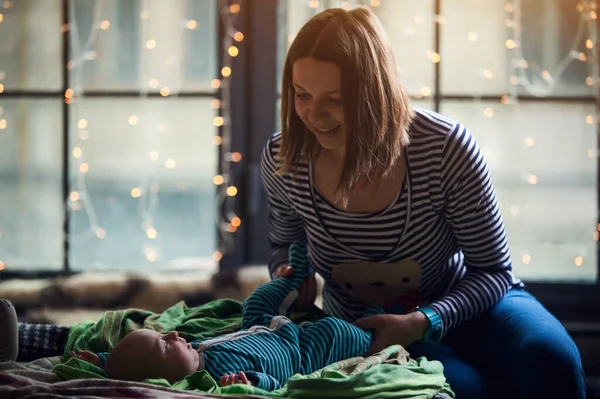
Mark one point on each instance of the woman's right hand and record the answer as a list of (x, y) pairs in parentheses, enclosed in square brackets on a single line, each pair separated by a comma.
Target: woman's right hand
[(307, 293)]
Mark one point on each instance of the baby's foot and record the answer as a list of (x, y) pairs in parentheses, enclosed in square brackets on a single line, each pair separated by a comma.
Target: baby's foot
[(9, 340)]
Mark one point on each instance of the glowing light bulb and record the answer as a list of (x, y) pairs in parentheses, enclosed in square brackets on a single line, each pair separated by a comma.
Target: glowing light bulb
[(231, 228), (313, 4), (136, 192), (151, 44), (3, 124), (589, 119), (589, 44), (84, 167), (215, 83), (236, 221), (1, 18), (153, 83), (488, 74), (170, 163), (234, 8), (2, 265), (546, 75), (488, 112), (151, 255), (505, 99), (226, 71), (425, 91), (74, 196), (233, 51), (218, 180), (101, 233), (238, 36), (104, 25), (165, 91), (532, 180), (526, 259), (215, 103), (232, 191), (434, 57), (77, 152), (217, 140), (579, 261), (133, 120), (217, 256), (218, 121), (529, 142), (1, 88), (82, 123), (151, 233), (236, 157), (69, 93), (510, 44), (191, 25), (593, 15), (375, 3), (589, 81)]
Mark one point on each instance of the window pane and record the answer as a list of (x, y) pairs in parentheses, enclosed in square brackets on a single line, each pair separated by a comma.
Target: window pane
[(144, 45), (490, 47), (30, 48), (31, 206), (142, 174), (408, 23), (543, 160), (410, 27)]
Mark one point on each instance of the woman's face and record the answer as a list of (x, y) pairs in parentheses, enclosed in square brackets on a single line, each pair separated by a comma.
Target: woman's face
[(318, 101)]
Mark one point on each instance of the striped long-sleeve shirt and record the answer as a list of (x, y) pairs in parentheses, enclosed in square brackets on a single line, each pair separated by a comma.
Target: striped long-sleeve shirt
[(445, 218)]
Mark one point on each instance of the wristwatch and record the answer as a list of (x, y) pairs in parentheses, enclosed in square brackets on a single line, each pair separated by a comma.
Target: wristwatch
[(436, 325)]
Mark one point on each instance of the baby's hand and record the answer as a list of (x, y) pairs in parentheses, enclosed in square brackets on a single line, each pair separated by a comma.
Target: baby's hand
[(230, 379)]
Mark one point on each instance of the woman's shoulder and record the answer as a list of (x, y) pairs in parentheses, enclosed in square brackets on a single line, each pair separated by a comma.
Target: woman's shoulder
[(427, 124), (271, 148)]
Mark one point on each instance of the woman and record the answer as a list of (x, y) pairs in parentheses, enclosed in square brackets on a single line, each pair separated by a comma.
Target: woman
[(398, 209)]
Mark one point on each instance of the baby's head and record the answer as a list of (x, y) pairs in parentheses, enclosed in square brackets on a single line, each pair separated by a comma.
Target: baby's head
[(146, 354)]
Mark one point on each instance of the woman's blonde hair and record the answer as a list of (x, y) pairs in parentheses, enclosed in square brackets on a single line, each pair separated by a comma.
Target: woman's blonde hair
[(377, 110)]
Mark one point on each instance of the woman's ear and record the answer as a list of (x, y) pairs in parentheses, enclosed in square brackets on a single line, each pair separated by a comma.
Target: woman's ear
[(87, 356)]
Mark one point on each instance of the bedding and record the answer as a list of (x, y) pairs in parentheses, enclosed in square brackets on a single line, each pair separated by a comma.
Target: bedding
[(388, 374)]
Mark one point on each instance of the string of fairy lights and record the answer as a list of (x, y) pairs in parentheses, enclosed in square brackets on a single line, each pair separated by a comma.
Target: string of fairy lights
[(523, 78), (84, 50), (147, 192)]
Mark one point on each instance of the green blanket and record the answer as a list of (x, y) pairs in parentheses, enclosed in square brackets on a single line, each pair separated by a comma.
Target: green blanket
[(389, 374)]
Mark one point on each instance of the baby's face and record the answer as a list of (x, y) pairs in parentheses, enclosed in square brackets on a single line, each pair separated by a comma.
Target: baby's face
[(155, 355)]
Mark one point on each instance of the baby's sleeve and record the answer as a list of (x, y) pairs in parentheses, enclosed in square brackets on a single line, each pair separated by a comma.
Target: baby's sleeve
[(263, 381)]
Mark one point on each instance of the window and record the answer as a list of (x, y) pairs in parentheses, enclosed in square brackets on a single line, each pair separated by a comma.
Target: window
[(139, 123), (521, 79)]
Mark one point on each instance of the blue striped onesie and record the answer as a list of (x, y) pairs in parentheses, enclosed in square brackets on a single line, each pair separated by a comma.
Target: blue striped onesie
[(270, 348)]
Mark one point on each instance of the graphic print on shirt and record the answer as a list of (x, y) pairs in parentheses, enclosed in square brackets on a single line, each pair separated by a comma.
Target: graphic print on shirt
[(393, 286)]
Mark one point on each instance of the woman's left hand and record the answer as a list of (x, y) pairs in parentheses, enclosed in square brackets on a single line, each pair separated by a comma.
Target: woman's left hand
[(391, 329)]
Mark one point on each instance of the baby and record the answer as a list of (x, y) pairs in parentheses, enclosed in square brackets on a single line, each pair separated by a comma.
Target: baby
[(267, 351)]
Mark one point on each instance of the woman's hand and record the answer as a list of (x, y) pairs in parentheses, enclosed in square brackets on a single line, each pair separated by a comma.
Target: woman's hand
[(307, 293), (230, 379), (390, 329)]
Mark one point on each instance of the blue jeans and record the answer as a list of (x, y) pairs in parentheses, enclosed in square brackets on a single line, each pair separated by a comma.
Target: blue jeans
[(515, 350)]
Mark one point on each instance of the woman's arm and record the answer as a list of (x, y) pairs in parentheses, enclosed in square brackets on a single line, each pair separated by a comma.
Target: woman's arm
[(285, 226), (471, 209)]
